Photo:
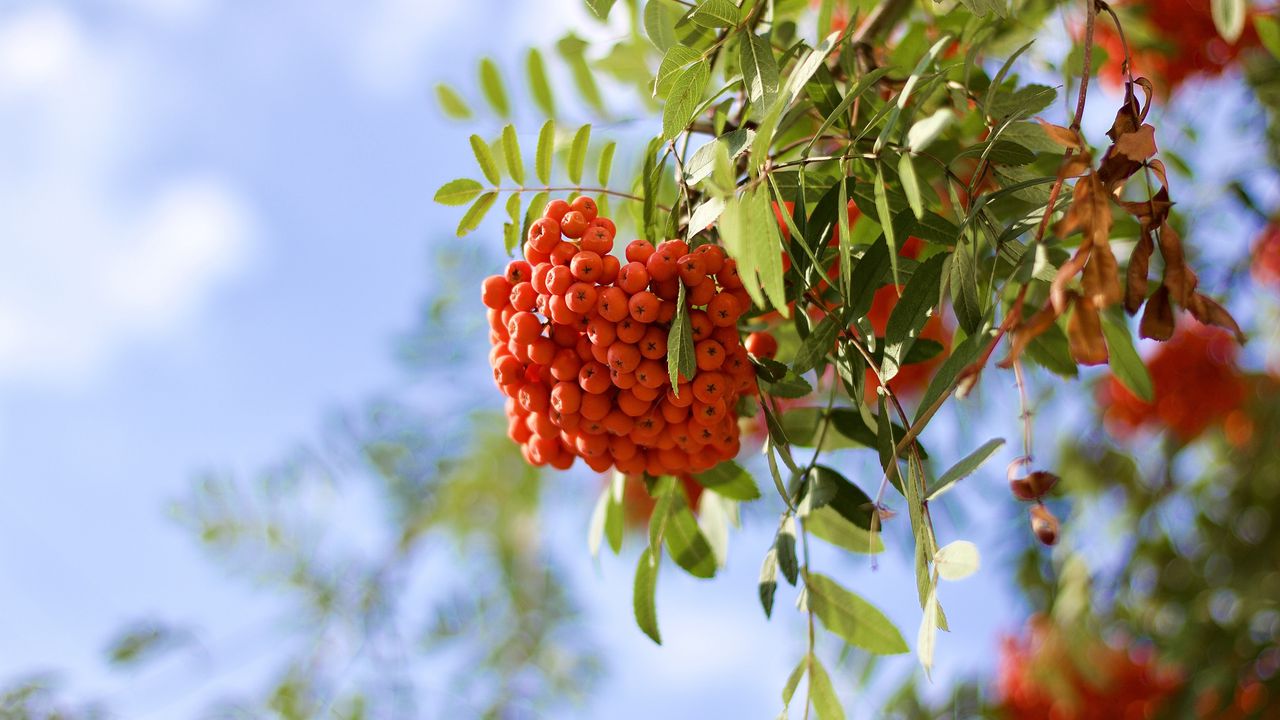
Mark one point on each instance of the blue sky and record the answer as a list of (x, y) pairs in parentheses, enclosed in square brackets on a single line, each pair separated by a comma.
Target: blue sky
[(216, 220)]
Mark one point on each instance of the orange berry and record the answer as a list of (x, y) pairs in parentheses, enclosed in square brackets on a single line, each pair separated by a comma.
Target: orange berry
[(593, 378), (623, 357), (666, 311), (632, 278), (708, 414), (507, 370), (617, 422), (559, 278), (561, 312), (622, 380), (700, 322), (523, 296), (728, 276), (524, 327), (563, 253), (643, 307), (609, 267), (709, 355), (573, 224), (668, 289), (586, 266), (651, 374), (630, 330), (519, 271), (613, 304), (581, 297), (601, 332), (556, 210), (565, 365), (644, 392), (542, 351), (702, 293), (597, 239), (607, 224), (639, 251), (662, 265), (631, 405), (586, 206), (539, 280), (595, 406), (564, 336), (762, 344), (674, 413), (533, 397), (709, 387), (654, 343), (544, 234), (495, 292), (681, 396), (533, 255), (723, 309), (712, 257), (692, 269)]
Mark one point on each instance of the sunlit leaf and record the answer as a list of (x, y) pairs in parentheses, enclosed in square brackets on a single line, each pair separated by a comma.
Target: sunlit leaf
[(643, 601), (539, 83), (578, 153), (475, 214), (956, 561), (759, 69), (484, 158), (458, 192), (511, 153), (730, 480), (545, 152), (965, 467), (855, 620), (684, 99)]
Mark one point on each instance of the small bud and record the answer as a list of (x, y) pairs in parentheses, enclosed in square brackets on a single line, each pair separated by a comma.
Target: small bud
[(1044, 524)]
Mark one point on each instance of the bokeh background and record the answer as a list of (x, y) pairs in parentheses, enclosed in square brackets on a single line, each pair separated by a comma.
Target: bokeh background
[(241, 355)]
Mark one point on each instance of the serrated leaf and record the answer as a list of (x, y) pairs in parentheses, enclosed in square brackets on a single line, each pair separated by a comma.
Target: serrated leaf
[(956, 561), (578, 153), (768, 584), (922, 134), (674, 60), (484, 158), (963, 279), (546, 150), (475, 214), (823, 694), (827, 524), (730, 480), (494, 91), (451, 103), (965, 467), (511, 153), (759, 69), (1125, 361), (1228, 17), (539, 84), (855, 620), (910, 184), (705, 215), (680, 351), (458, 192), (643, 602), (684, 99), (606, 163), (909, 315), (815, 347), (715, 14)]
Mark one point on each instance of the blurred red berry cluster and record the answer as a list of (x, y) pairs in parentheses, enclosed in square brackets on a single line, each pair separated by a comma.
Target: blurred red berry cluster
[(1266, 255), (1180, 41), (1052, 674), (1197, 384)]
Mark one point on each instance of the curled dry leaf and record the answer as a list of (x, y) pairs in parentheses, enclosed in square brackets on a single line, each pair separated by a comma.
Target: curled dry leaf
[(1034, 486), (1157, 320), (1044, 525), (1066, 137), (1084, 334), (1135, 289)]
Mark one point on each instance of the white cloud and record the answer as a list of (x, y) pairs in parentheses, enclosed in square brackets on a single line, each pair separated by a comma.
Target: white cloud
[(90, 260)]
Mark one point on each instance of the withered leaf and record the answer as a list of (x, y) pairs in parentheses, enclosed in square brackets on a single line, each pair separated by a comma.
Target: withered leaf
[(1135, 290), (1026, 331), (1208, 311), (1084, 332), (1138, 145), (1059, 297), (1150, 213), (1157, 319), (1065, 137), (1178, 277), (1102, 277)]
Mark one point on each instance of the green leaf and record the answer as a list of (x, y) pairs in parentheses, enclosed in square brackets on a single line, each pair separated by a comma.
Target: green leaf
[(793, 680), (910, 184), (730, 480), (885, 218), (578, 153), (829, 525), (704, 215), (715, 14), (855, 620), (546, 149), (790, 386), (768, 584), (784, 544), (1125, 361), (676, 59), (511, 153), (1268, 32), (686, 543), (451, 103), (924, 132), (600, 8), (961, 357), (143, 641), (643, 594), (684, 99), (539, 83), (458, 192), (1023, 102), (512, 230), (660, 18), (573, 49), (965, 467), (759, 69), (815, 347), (762, 258), (613, 518), (822, 693), (866, 278), (606, 163), (595, 528), (911, 312), (963, 278), (1228, 17), (484, 157), (475, 214), (702, 161), (491, 84), (927, 636), (680, 352)]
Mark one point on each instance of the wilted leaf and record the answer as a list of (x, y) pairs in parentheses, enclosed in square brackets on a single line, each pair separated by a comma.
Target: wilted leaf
[(1157, 320), (1084, 332)]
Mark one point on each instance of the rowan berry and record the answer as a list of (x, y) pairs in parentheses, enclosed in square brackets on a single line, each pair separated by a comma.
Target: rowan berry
[(507, 370), (681, 395), (701, 325), (544, 234), (668, 289), (540, 424), (586, 206), (595, 406), (518, 429), (708, 414), (564, 336), (601, 332), (559, 278), (524, 327), (709, 355), (560, 311), (581, 297), (542, 351), (597, 239), (631, 405), (566, 364), (723, 310), (662, 265), (645, 392), (563, 253), (701, 293), (762, 344), (622, 380), (600, 353), (607, 224), (533, 397), (556, 210), (728, 276), (643, 306), (609, 267), (693, 269), (653, 345), (674, 414), (712, 257), (632, 278), (630, 330), (586, 266), (612, 304), (495, 292), (518, 271), (709, 387), (639, 251), (523, 296), (623, 357), (618, 422), (573, 224), (623, 447), (593, 377)]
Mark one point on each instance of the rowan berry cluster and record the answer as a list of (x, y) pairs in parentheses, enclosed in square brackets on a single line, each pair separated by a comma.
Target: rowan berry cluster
[(580, 348)]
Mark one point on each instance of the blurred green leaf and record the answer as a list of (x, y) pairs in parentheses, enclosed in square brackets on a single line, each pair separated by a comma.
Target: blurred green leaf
[(730, 480), (451, 103), (1125, 361), (578, 153), (768, 583), (600, 8), (539, 84), (1228, 17), (606, 163), (494, 91), (909, 315), (822, 693), (573, 49), (643, 596)]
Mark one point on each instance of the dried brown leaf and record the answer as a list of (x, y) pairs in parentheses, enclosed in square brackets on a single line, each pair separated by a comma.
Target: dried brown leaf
[(1065, 137), (1101, 279), (1026, 331), (1135, 290), (1208, 311), (1157, 319), (1084, 333)]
